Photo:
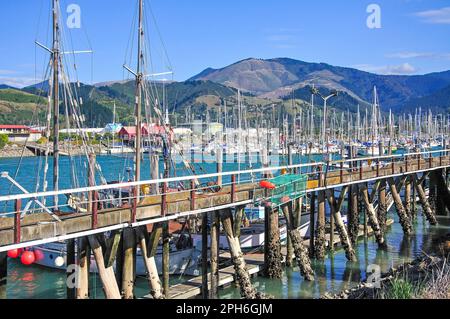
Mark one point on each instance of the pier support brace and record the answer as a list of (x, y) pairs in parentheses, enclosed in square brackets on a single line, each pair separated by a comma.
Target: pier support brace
[(404, 218), (148, 245), (110, 287), (372, 215), (3, 274), (242, 276), (272, 245), (300, 251), (336, 207), (426, 207)]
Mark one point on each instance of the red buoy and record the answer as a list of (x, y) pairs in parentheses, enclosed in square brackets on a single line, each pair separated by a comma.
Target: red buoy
[(28, 258), (14, 253), (267, 185), (38, 255)]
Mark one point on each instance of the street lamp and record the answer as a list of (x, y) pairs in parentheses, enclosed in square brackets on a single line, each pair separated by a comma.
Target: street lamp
[(325, 99)]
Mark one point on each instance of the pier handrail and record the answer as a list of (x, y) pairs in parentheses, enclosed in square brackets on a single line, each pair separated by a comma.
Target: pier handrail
[(387, 156), (150, 182), (204, 176)]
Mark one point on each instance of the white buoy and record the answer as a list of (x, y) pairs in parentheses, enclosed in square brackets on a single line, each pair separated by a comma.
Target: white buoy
[(59, 261)]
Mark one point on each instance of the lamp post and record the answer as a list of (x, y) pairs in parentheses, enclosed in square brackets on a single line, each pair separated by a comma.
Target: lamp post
[(325, 99)]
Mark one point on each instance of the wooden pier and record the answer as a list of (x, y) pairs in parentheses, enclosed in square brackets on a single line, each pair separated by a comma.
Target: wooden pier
[(369, 185)]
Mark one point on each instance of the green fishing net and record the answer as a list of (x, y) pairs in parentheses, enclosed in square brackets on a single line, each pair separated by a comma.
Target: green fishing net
[(287, 188)]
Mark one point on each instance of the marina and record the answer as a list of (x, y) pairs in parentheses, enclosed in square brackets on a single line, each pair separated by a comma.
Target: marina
[(251, 196)]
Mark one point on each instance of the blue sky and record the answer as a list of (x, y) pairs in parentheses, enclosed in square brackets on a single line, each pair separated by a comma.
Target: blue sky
[(413, 38)]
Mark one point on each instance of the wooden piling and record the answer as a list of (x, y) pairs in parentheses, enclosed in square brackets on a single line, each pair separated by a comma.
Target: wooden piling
[(129, 263), (320, 226), (426, 207), (336, 207), (205, 293), (353, 214), (300, 251), (312, 223), (272, 245), (70, 270), (84, 263), (3, 274), (166, 259), (107, 277), (443, 192), (403, 217)]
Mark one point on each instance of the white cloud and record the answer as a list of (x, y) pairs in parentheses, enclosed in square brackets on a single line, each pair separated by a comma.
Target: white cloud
[(414, 55), (438, 16), (402, 69), (18, 82)]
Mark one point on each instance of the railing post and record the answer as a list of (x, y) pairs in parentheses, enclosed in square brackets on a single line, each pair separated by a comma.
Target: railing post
[(233, 188), (164, 200), (393, 165), (360, 170), (406, 163), (17, 220), (418, 162), (94, 210), (342, 172), (378, 167), (430, 160), (192, 193)]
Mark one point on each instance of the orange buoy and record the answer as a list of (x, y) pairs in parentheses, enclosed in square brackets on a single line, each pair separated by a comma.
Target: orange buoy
[(267, 185), (28, 258), (14, 253)]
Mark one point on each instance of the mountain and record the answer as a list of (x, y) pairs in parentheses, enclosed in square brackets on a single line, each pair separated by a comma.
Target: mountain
[(276, 78), (5, 86), (438, 101), (18, 107)]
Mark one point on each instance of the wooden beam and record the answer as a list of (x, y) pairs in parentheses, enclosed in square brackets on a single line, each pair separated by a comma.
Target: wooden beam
[(106, 274), (427, 210), (343, 234), (373, 220), (404, 218), (112, 245)]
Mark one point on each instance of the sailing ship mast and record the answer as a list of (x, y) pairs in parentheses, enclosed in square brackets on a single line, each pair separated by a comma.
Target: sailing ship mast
[(138, 107), (55, 86)]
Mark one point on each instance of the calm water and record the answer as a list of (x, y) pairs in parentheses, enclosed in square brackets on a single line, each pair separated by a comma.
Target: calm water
[(334, 275)]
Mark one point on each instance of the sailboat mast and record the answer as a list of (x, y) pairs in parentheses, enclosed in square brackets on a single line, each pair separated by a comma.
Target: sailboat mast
[(137, 174), (55, 62)]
